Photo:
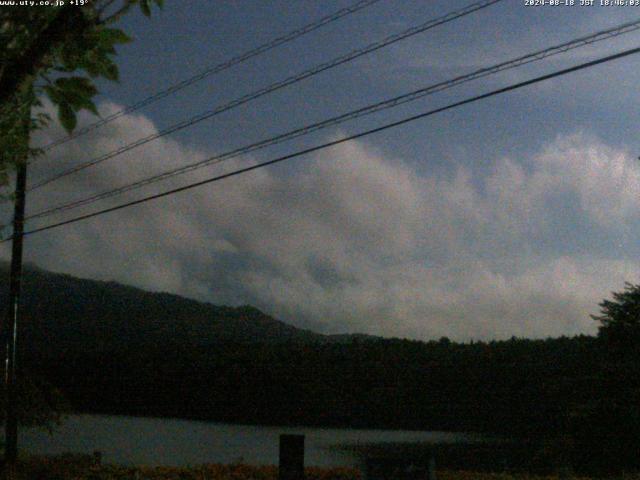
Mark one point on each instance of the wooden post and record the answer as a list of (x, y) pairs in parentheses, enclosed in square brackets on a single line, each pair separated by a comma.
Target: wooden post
[(291, 457), (11, 326), (9, 331), (431, 470)]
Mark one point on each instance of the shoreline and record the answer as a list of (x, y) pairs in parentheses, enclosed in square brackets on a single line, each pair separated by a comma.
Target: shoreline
[(88, 467)]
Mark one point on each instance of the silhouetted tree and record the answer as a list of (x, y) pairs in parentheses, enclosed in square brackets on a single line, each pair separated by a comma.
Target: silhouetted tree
[(620, 320), (607, 428), (57, 53)]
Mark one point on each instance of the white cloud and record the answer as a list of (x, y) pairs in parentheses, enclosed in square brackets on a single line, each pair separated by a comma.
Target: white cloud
[(359, 242)]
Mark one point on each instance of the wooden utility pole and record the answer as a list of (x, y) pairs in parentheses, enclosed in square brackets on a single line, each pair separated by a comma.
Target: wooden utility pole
[(11, 323)]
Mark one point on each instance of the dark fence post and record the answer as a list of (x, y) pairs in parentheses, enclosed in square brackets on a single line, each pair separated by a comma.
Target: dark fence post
[(431, 470), (291, 457)]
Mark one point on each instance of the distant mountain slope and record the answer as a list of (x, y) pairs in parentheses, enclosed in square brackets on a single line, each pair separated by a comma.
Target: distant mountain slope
[(114, 349), (68, 313)]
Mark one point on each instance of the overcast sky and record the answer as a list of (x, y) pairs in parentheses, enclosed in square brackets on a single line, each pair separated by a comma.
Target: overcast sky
[(516, 215)]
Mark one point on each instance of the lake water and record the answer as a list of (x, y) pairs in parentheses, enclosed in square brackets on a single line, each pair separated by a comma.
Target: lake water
[(155, 441)]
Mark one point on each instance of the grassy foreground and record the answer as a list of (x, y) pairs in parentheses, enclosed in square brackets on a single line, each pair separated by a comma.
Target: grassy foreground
[(82, 467)]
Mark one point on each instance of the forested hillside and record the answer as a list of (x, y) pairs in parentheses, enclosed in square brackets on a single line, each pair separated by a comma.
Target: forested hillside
[(61, 312), (115, 349)]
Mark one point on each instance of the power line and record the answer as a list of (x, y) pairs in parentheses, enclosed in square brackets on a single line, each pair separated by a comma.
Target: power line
[(275, 86), (362, 4), (389, 103), (323, 146)]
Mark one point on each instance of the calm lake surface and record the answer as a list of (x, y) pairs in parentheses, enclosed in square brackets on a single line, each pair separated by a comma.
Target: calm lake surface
[(155, 441)]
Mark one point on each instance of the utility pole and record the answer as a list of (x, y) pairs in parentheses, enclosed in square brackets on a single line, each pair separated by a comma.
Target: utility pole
[(11, 325)]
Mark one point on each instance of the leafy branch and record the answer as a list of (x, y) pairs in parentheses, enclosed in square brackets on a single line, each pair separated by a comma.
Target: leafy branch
[(74, 45)]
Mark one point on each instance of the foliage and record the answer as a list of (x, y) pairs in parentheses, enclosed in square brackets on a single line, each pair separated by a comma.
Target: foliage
[(606, 430), (132, 352), (39, 403), (81, 467), (620, 320), (57, 52), (466, 475)]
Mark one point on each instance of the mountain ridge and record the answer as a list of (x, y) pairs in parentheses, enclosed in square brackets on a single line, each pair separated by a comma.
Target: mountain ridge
[(81, 314)]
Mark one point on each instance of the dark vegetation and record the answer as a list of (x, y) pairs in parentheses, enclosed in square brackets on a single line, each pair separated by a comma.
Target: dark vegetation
[(84, 467), (116, 349), (56, 53)]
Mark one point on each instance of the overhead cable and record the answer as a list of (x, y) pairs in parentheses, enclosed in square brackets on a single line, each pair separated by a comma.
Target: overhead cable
[(272, 88), (323, 146), (376, 107), (213, 70)]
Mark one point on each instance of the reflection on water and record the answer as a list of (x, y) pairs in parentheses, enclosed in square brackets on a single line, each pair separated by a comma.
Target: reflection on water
[(156, 441)]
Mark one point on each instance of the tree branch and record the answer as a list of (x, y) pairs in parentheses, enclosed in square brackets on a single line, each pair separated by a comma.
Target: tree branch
[(68, 21), (115, 16)]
